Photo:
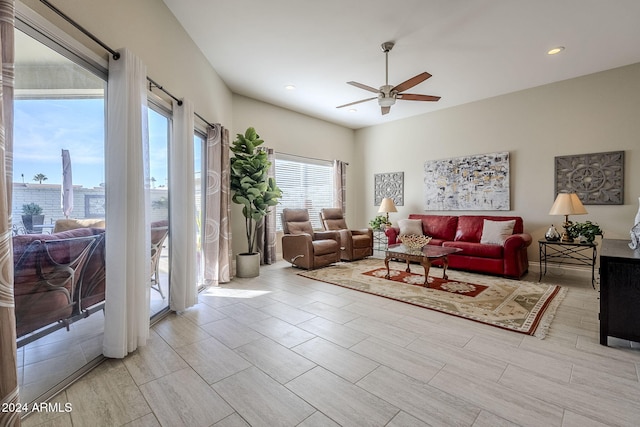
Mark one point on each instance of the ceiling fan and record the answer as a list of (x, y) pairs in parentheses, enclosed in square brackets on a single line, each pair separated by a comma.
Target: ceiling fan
[(388, 94)]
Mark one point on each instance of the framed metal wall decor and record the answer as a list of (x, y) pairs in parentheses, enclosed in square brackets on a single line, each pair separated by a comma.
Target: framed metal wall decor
[(479, 182), (597, 178), (389, 185)]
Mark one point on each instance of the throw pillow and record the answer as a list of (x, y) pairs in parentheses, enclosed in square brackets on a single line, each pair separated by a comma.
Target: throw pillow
[(496, 232), (410, 226)]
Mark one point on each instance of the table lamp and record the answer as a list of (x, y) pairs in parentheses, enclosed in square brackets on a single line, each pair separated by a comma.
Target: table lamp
[(567, 204), (387, 206)]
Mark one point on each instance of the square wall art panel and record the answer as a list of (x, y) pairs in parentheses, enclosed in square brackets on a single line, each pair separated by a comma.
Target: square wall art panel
[(479, 182), (388, 185), (597, 178)]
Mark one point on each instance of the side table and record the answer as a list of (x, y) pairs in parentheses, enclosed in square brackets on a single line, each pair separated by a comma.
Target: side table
[(380, 241), (574, 253)]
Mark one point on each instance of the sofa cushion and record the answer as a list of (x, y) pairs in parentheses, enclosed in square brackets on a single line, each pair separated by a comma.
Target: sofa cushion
[(71, 224), (496, 232), (21, 241), (440, 227), (477, 249), (470, 226), (324, 247), (410, 226)]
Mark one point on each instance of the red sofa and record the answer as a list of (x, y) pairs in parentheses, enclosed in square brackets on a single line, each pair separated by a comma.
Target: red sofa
[(464, 232)]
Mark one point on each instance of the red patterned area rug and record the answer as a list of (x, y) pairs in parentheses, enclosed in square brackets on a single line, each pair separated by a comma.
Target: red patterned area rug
[(515, 305)]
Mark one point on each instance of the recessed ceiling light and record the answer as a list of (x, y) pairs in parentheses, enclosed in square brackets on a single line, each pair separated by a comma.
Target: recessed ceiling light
[(555, 50), (290, 87), (352, 110)]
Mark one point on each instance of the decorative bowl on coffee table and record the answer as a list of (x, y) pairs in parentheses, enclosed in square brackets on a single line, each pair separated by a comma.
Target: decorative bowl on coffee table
[(414, 241)]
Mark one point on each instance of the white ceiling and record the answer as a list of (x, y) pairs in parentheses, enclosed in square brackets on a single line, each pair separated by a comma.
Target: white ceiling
[(474, 49)]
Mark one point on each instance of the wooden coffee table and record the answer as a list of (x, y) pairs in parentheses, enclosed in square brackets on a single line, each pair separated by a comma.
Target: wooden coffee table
[(423, 256)]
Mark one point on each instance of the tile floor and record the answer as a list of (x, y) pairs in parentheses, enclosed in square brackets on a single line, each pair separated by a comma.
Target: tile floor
[(44, 363), (282, 350)]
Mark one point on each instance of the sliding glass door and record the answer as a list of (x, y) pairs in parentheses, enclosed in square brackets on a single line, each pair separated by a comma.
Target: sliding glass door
[(58, 213), (159, 131)]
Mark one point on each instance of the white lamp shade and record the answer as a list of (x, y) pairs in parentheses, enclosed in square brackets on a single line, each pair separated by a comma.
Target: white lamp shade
[(387, 206), (567, 204)]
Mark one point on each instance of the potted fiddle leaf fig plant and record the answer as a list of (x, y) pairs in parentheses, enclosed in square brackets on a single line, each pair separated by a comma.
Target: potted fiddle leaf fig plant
[(255, 191)]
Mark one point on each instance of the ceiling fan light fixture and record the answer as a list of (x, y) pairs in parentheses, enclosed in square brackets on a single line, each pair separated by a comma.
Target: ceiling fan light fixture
[(386, 102), (555, 50)]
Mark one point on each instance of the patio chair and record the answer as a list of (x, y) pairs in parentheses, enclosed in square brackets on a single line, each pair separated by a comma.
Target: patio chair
[(159, 232)]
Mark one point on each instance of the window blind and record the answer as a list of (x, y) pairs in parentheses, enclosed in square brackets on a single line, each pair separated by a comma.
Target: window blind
[(305, 183)]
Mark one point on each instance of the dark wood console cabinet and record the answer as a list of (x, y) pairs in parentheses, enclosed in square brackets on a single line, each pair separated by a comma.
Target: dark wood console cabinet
[(619, 291)]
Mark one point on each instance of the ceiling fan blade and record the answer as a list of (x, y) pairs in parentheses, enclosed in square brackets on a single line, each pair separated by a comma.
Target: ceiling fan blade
[(356, 102), (365, 87), (416, 97), (385, 110), (412, 82)]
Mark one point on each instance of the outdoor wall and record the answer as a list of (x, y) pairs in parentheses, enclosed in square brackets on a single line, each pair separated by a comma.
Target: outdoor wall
[(49, 199), (590, 114)]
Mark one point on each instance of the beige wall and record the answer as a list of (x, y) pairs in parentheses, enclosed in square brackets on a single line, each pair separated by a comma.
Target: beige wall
[(148, 29), (293, 133), (589, 114)]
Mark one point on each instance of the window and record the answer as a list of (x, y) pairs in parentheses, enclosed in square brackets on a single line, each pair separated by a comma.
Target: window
[(305, 183)]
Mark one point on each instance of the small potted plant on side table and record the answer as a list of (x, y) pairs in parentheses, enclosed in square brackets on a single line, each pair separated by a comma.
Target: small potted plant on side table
[(585, 231), (379, 223)]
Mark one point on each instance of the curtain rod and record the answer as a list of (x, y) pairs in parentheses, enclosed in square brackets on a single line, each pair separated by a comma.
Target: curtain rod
[(83, 30), (115, 55), (308, 158)]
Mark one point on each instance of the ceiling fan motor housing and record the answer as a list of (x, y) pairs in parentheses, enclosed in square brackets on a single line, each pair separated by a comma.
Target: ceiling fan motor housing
[(387, 96)]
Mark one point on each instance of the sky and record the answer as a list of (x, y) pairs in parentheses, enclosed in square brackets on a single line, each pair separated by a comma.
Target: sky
[(43, 127)]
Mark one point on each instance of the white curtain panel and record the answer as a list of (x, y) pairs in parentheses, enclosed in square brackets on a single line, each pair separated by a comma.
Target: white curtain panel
[(8, 356), (128, 234), (182, 213)]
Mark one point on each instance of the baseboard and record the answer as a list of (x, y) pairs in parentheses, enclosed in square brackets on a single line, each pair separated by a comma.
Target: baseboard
[(558, 270)]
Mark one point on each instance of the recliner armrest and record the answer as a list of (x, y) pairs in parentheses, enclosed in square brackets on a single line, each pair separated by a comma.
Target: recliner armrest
[(322, 235), (367, 231)]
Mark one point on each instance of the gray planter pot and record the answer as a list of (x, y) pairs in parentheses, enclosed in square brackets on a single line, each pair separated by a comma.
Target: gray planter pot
[(30, 220), (248, 265)]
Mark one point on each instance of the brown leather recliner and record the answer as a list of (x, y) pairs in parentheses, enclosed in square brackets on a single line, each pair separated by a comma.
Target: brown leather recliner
[(303, 247), (355, 244)]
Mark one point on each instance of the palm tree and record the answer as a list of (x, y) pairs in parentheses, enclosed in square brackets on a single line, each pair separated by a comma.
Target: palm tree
[(40, 177)]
